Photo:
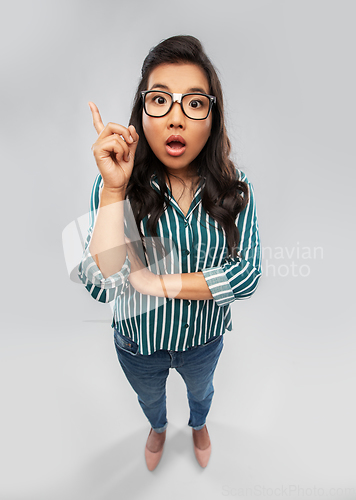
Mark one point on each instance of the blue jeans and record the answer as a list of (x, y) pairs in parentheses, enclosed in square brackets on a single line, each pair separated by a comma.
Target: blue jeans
[(147, 375)]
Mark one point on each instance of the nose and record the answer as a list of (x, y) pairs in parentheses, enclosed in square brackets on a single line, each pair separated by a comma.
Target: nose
[(176, 116)]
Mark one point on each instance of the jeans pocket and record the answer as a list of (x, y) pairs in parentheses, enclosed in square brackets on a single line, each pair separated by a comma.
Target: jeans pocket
[(125, 343)]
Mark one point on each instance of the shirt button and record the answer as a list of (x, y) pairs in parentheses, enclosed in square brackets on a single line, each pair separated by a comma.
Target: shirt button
[(186, 325), (186, 252), (186, 223), (187, 302)]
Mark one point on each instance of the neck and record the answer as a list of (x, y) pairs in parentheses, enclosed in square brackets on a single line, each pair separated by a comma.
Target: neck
[(186, 174)]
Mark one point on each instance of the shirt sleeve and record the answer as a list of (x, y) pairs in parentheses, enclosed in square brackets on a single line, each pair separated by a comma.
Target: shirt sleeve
[(100, 288), (237, 278)]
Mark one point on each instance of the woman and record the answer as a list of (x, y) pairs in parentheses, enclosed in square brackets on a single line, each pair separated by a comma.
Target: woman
[(172, 165)]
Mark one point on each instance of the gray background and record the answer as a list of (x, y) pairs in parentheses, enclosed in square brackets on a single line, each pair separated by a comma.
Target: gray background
[(283, 411)]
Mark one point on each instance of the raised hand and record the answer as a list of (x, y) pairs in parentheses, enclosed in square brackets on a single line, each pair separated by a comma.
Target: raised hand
[(114, 151)]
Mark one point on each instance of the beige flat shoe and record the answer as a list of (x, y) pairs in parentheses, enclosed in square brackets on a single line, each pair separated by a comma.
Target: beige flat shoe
[(153, 458), (202, 456)]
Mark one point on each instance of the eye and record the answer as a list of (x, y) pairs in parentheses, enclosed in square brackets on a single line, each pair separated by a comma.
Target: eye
[(195, 103), (159, 99)]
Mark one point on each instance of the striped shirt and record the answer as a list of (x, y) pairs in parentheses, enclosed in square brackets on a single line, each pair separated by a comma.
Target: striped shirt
[(200, 246)]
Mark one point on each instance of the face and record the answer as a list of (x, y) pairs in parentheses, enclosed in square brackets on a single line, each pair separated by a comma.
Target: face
[(177, 78)]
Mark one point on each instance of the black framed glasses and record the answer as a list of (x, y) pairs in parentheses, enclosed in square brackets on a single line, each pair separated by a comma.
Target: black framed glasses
[(158, 103)]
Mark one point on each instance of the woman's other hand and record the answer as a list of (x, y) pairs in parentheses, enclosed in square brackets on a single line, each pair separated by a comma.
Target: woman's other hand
[(114, 151), (141, 278)]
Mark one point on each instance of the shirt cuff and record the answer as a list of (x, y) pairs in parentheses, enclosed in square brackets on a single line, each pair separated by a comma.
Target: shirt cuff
[(92, 273), (219, 285)]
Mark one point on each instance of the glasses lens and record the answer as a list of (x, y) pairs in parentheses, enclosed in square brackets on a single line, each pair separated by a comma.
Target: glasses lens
[(157, 103), (196, 106)]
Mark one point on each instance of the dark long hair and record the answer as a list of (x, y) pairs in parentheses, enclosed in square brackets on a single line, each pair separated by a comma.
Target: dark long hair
[(224, 195)]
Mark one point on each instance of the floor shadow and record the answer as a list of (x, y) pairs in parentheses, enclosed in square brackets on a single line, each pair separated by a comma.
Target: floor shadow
[(243, 464)]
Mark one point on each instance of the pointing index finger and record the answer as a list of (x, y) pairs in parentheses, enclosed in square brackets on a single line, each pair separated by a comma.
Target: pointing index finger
[(97, 121)]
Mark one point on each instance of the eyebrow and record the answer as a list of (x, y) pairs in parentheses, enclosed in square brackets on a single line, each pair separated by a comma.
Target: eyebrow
[(192, 89)]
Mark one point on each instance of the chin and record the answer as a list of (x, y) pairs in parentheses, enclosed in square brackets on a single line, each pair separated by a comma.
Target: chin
[(176, 164), (173, 161)]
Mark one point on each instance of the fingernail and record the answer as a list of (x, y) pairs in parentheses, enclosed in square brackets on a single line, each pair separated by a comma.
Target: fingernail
[(131, 139)]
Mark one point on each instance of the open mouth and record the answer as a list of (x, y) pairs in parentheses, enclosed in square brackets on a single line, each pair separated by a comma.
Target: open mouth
[(175, 148), (175, 145)]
